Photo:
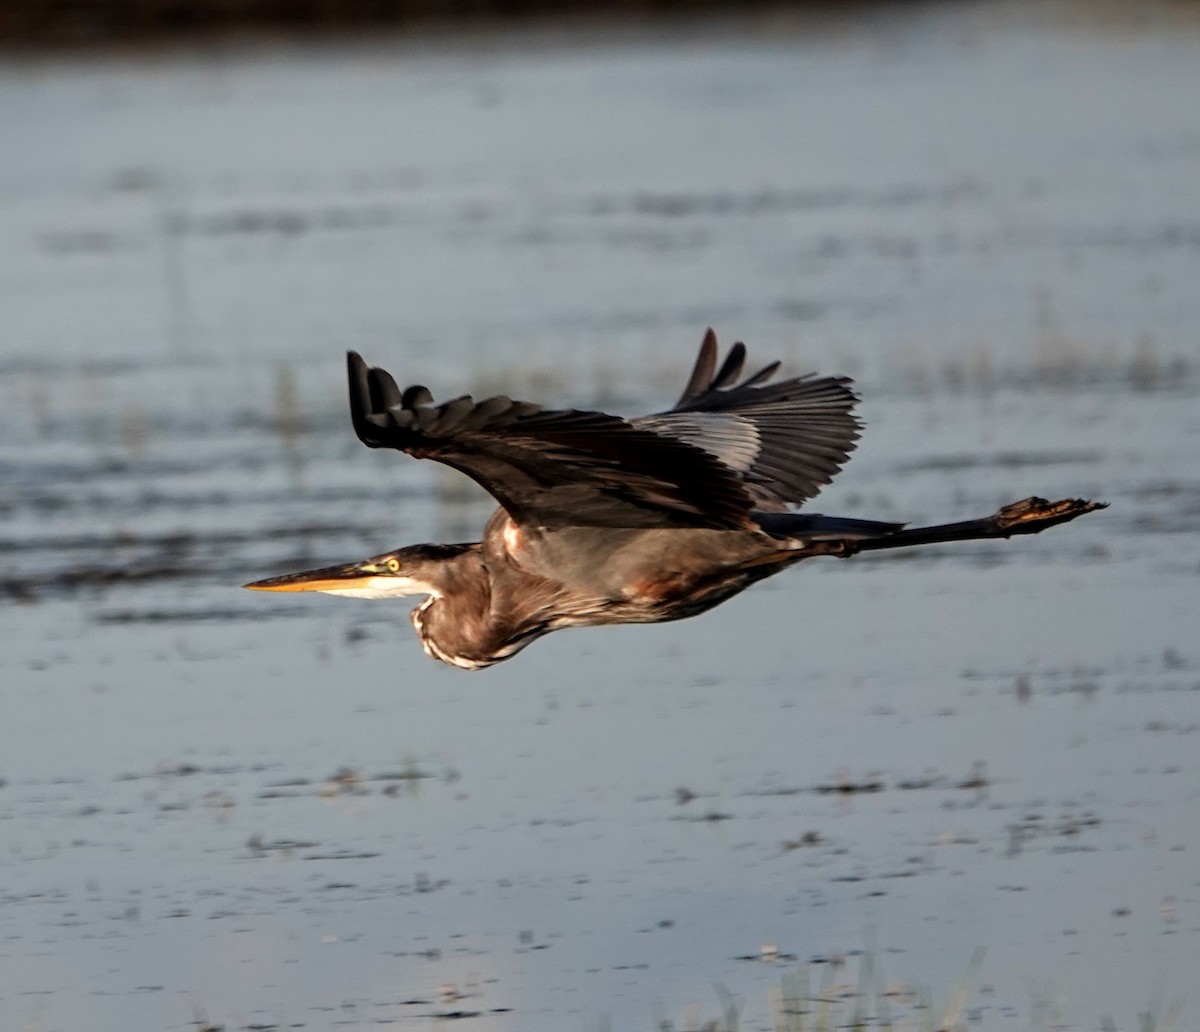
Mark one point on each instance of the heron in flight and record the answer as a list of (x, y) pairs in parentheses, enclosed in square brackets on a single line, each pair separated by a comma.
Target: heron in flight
[(606, 520)]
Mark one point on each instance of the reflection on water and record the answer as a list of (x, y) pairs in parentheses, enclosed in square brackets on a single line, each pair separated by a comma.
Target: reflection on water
[(227, 808)]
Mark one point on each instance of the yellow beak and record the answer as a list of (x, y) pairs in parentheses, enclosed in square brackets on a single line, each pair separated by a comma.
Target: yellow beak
[(329, 578)]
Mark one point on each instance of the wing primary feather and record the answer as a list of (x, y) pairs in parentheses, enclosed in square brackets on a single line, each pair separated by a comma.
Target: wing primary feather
[(764, 374), (731, 368), (416, 395), (702, 372), (384, 392), (485, 411), (452, 414), (366, 423)]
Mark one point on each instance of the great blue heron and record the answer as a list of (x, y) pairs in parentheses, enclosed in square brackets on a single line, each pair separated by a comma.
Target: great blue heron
[(605, 520)]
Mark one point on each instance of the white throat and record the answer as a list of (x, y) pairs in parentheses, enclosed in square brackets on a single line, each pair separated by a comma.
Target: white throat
[(383, 587)]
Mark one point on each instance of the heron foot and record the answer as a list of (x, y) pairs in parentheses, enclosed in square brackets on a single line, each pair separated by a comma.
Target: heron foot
[(1032, 514)]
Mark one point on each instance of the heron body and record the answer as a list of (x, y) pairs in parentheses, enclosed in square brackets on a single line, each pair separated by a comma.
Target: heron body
[(605, 520)]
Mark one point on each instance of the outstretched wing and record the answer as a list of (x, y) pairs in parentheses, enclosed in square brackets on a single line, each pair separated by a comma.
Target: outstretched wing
[(553, 468), (784, 440)]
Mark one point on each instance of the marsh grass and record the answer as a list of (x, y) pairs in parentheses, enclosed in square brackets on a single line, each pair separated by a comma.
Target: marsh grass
[(844, 1001)]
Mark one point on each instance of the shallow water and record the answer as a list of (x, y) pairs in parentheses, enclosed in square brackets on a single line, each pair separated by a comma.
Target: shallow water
[(257, 812)]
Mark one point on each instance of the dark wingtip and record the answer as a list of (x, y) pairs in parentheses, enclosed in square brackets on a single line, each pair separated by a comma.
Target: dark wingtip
[(762, 376), (361, 407), (385, 392), (731, 368), (356, 368), (702, 371)]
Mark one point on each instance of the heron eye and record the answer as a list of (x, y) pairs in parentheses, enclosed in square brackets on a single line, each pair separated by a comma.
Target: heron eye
[(393, 565)]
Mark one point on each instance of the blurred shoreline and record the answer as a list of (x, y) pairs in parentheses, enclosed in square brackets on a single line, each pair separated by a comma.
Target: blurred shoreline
[(35, 26)]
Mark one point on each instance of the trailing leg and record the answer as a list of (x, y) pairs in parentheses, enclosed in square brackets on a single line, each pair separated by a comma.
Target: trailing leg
[(1028, 516)]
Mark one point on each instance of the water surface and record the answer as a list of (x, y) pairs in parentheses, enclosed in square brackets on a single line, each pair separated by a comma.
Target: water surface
[(274, 812)]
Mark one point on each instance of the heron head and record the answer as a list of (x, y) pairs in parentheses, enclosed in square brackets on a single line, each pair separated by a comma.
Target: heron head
[(415, 570)]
